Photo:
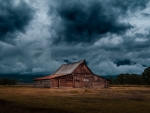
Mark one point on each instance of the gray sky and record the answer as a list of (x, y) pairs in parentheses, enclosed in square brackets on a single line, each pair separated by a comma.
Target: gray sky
[(37, 36)]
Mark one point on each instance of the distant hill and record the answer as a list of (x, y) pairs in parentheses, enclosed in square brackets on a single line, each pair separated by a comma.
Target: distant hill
[(108, 76), (28, 78), (22, 78)]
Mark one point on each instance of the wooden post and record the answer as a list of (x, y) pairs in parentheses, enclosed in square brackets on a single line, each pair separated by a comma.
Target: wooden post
[(73, 84), (58, 82), (50, 83), (91, 83)]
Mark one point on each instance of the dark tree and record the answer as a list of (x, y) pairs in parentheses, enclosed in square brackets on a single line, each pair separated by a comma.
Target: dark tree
[(146, 76), (110, 80), (0, 81), (128, 79), (7, 81), (14, 82)]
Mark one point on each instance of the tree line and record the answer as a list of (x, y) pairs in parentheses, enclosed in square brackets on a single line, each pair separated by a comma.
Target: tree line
[(7, 81), (143, 79)]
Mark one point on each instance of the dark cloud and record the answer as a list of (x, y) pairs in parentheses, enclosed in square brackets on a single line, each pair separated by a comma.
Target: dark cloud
[(14, 17), (101, 32), (144, 65), (124, 62), (129, 5), (136, 43), (79, 21), (67, 61), (146, 14)]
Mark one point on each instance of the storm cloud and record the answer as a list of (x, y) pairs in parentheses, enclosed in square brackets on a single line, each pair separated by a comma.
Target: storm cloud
[(85, 21), (14, 16), (129, 5), (112, 36)]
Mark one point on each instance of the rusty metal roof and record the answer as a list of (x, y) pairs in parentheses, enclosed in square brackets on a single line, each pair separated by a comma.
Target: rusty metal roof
[(48, 77), (68, 68)]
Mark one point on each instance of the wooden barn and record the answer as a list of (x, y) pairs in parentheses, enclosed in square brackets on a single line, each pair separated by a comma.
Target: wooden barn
[(76, 75)]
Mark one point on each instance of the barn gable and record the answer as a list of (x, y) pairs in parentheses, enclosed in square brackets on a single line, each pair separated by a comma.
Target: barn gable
[(82, 69)]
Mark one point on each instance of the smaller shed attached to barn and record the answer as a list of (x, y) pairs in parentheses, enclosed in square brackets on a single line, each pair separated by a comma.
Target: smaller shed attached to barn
[(76, 75)]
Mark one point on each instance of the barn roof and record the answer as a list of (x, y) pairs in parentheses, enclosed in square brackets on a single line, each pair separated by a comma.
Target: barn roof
[(68, 68), (48, 77)]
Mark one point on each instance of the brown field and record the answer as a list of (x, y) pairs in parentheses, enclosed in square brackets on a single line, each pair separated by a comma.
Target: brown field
[(122, 99)]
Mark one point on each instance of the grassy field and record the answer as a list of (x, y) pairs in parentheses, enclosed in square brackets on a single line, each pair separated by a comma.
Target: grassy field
[(42, 100)]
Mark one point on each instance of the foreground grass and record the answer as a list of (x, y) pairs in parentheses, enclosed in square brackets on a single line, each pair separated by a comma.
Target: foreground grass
[(42, 100)]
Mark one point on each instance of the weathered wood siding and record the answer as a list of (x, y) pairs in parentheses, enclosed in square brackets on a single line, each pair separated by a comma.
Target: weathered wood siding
[(55, 83), (82, 80), (63, 81), (43, 83), (82, 77), (99, 82), (82, 69)]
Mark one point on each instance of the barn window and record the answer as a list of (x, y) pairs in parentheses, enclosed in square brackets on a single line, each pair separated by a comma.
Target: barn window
[(77, 79), (67, 76), (41, 82), (86, 79)]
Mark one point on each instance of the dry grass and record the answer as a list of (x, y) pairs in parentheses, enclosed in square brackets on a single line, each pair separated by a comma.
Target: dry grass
[(43, 100)]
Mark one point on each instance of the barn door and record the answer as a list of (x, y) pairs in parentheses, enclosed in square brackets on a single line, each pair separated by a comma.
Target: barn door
[(76, 82), (87, 82)]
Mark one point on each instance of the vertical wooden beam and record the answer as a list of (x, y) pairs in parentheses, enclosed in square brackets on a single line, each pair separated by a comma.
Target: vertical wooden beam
[(51, 83), (58, 82), (80, 82), (72, 81), (91, 83)]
